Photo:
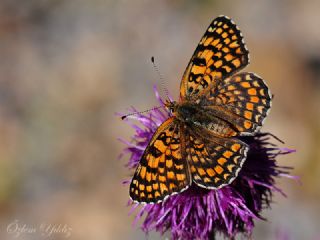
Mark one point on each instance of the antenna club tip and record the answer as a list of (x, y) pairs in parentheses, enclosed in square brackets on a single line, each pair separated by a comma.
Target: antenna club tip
[(123, 117), (152, 59)]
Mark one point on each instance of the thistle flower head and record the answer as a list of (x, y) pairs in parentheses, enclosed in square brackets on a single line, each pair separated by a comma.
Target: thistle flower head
[(199, 213)]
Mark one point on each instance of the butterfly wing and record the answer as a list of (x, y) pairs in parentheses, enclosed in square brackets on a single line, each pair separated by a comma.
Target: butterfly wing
[(214, 161), (242, 100), (162, 170), (220, 53)]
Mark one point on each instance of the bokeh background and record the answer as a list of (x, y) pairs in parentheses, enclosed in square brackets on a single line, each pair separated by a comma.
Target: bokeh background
[(66, 67)]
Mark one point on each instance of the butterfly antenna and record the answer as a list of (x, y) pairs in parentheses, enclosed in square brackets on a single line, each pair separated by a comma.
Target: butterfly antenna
[(163, 86), (130, 114)]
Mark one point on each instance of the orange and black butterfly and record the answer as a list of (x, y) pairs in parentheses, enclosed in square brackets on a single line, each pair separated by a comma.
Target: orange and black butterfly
[(198, 143)]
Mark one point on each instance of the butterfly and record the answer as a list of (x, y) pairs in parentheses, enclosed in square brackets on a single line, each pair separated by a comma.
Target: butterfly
[(199, 142)]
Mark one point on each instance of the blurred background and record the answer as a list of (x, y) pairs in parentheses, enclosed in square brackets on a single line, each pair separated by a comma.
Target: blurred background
[(66, 67)]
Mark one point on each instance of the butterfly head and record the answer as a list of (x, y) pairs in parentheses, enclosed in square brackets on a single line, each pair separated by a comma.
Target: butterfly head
[(171, 106)]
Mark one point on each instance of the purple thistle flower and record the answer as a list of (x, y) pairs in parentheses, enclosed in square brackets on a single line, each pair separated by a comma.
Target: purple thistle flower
[(199, 213)]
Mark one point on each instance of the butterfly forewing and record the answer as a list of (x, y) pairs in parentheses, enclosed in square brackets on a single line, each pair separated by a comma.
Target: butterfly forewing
[(162, 170), (220, 53)]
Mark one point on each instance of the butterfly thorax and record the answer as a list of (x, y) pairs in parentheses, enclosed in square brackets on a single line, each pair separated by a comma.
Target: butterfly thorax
[(187, 112), (191, 113)]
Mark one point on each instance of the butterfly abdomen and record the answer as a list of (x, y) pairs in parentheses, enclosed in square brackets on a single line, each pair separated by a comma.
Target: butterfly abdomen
[(193, 114)]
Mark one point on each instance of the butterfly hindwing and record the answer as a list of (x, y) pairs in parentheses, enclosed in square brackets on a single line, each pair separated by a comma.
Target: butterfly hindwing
[(242, 100), (214, 161), (220, 53), (162, 170)]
